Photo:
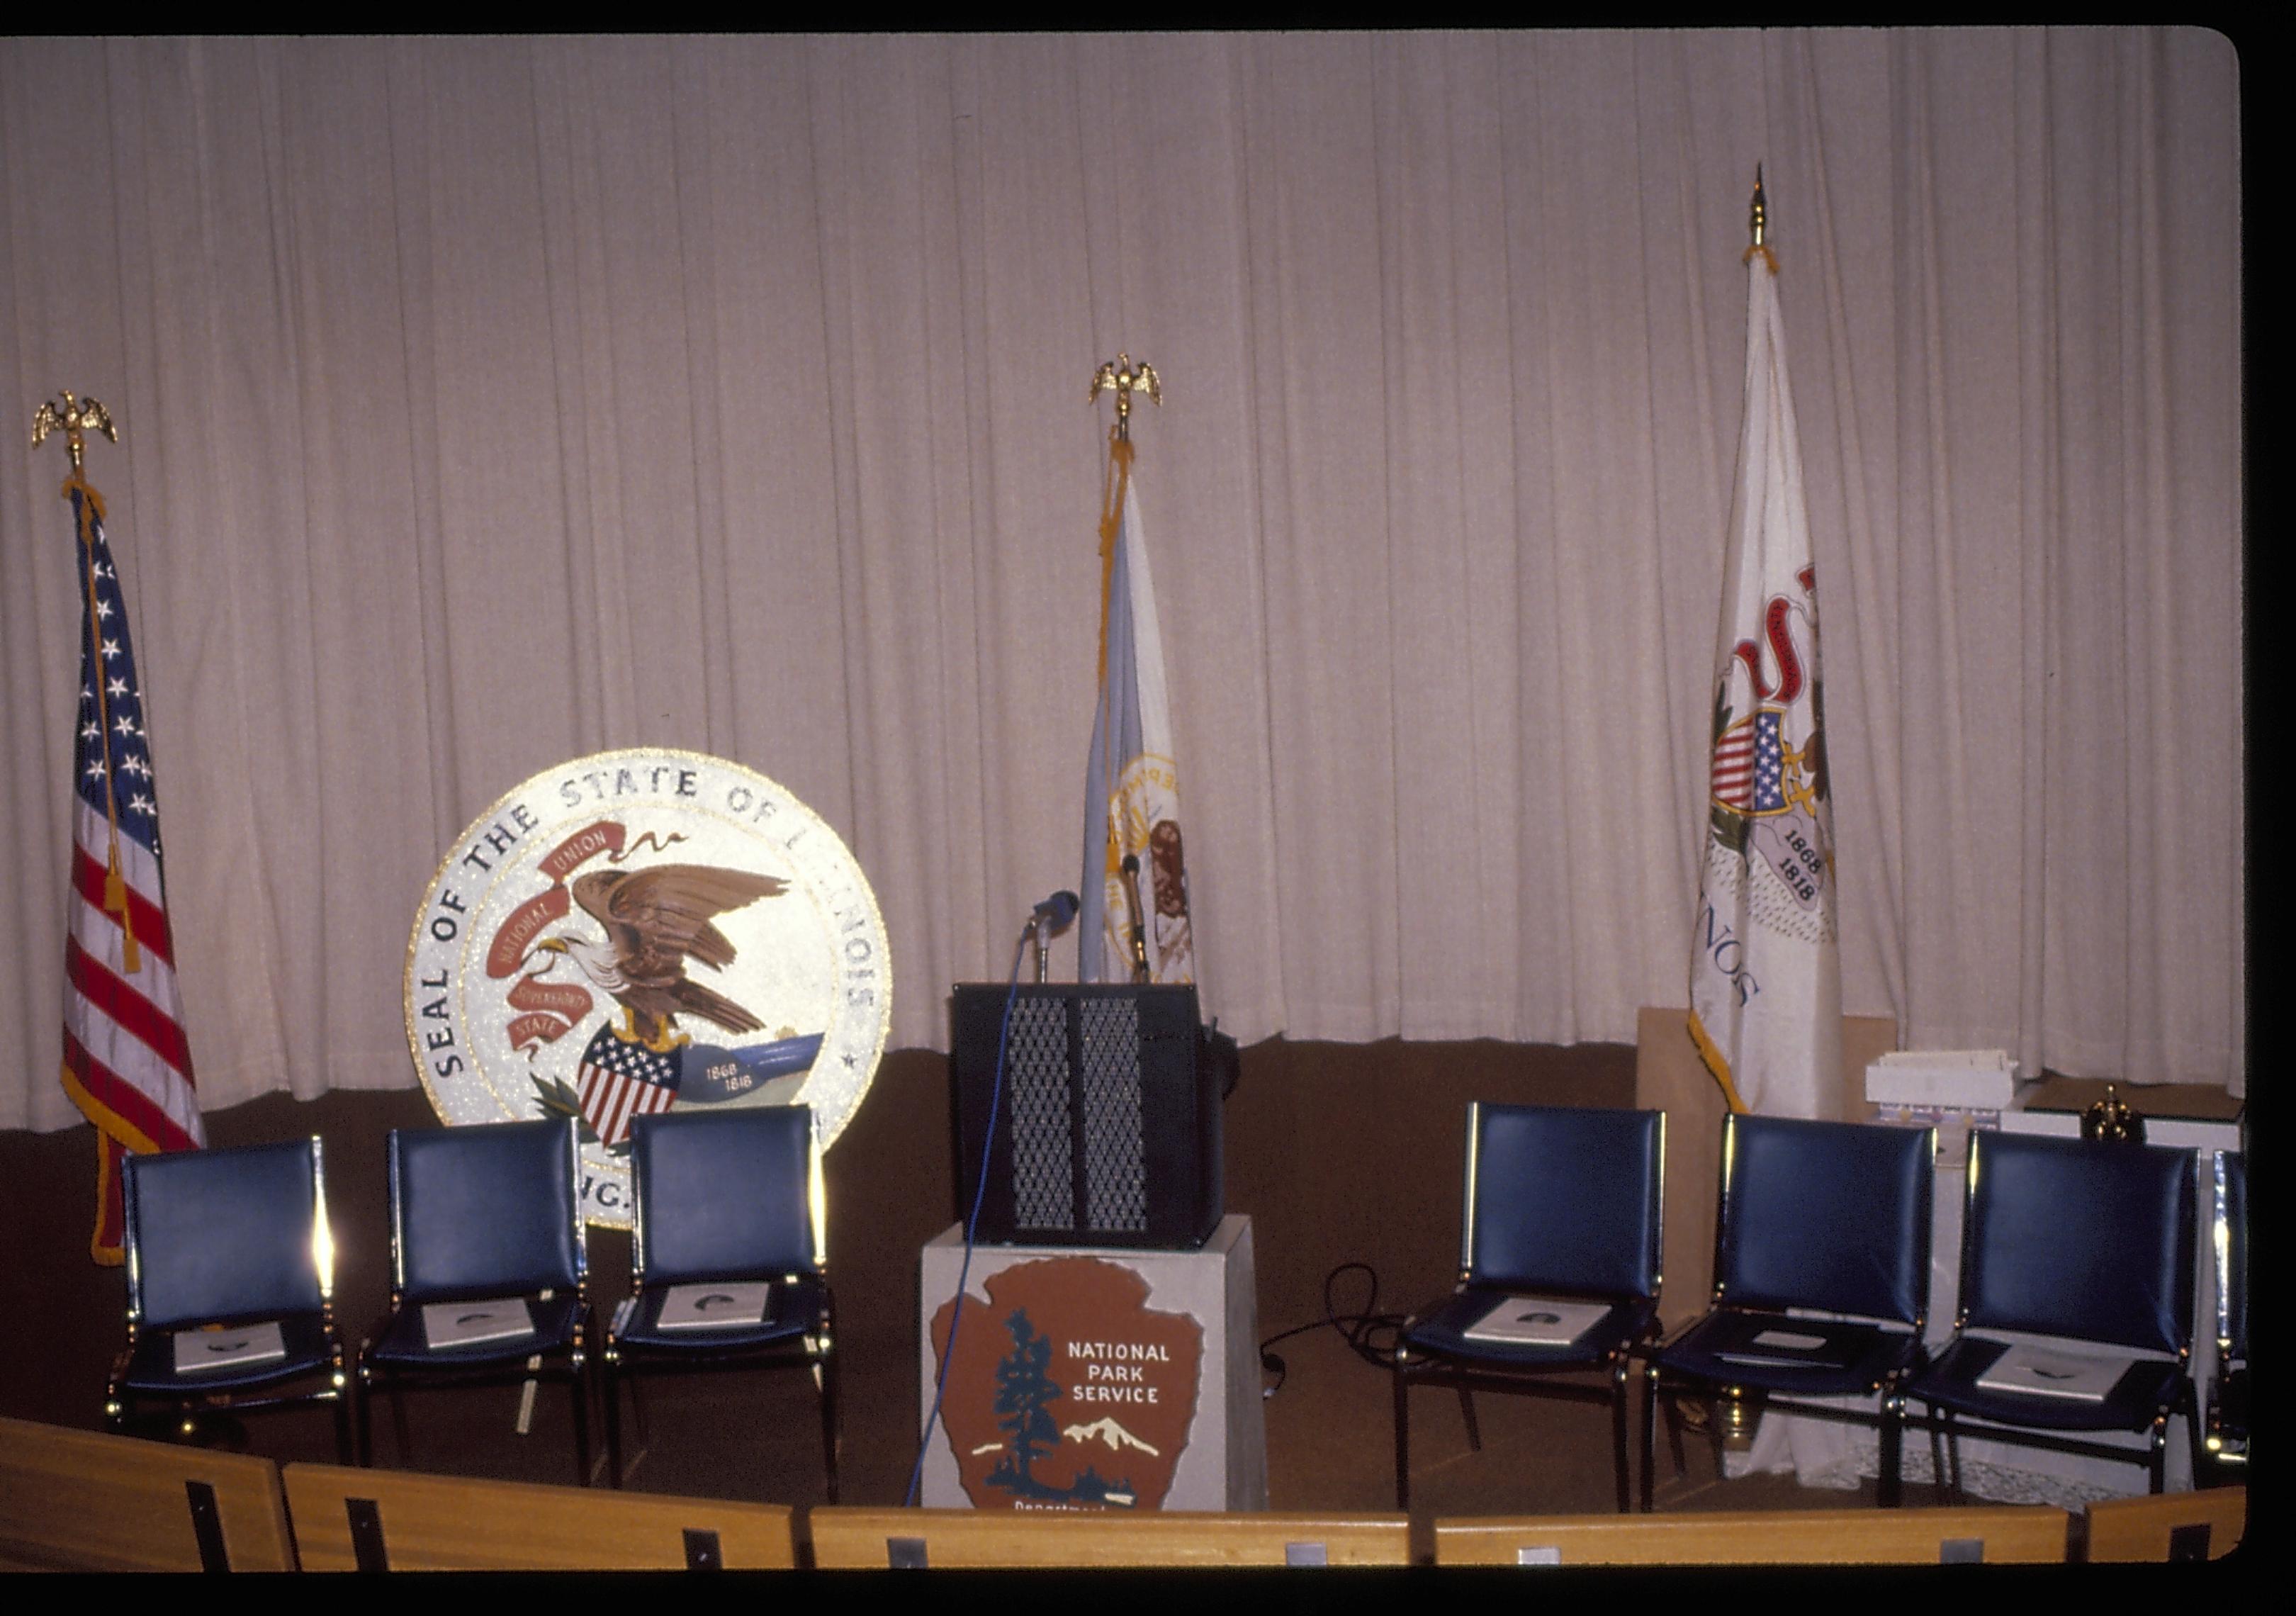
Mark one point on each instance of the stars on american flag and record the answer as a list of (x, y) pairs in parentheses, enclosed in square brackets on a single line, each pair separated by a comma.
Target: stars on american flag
[(115, 764)]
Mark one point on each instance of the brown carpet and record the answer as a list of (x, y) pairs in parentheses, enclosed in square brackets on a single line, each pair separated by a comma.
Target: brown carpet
[(1341, 1154)]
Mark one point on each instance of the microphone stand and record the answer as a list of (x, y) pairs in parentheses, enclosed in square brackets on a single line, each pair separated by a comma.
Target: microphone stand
[(1139, 927)]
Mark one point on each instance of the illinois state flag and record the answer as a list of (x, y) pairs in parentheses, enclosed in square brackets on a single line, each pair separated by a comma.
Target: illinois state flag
[(126, 1064), (1765, 966), (1135, 891)]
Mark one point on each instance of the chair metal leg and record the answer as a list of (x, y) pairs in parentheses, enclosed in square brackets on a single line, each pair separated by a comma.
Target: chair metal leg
[(1467, 1413), (1888, 1489), (1618, 1434), (1717, 1427), (1650, 1433), (1402, 1388), (825, 1378), (611, 1386), (365, 1418), (579, 1377), (344, 1449)]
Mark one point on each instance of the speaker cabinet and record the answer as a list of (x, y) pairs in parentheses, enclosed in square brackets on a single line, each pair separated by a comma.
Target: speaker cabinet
[(1108, 1130)]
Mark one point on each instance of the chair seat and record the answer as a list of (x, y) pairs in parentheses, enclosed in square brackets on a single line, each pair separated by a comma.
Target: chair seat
[(2147, 1388), (1441, 1331), (793, 1307), (1855, 1358), (151, 1366), (401, 1343)]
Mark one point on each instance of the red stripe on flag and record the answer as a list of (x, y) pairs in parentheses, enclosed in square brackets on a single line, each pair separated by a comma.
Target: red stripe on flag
[(151, 1026), (148, 920), (119, 1098)]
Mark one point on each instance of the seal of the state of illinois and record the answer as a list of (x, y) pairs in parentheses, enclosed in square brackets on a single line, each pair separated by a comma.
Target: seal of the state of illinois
[(640, 930)]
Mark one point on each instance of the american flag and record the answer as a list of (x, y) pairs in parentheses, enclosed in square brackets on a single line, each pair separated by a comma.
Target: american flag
[(1749, 766), (126, 1064), (620, 1081)]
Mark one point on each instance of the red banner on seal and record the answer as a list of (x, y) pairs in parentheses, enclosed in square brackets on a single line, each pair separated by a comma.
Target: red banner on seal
[(515, 938)]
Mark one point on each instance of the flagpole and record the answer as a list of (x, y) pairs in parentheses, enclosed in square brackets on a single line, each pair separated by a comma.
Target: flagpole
[(1123, 378), (1757, 227), (74, 420)]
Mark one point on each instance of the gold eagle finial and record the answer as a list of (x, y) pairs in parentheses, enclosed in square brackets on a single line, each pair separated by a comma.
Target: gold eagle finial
[(1124, 378), (77, 418)]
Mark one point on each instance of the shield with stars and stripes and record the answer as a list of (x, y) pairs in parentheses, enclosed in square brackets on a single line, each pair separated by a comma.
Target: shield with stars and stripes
[(619, 1078)]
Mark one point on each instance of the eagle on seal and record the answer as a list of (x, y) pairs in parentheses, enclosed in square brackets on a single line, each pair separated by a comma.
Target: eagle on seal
[(654, 919)]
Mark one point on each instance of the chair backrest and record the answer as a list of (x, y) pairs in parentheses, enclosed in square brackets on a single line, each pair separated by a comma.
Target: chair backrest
[(485, 1211), (360, 1520), (1993, 1534), (227, 1234), (1831, 1216), (85, 1501), (723, 1192), (2229, 1239), (2203, 1525), (2072, 1237), (1562, 1199), (848, 1539)]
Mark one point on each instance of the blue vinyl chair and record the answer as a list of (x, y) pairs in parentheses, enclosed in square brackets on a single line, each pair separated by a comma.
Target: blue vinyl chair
[(726, 1196), (2226, 1441), (2087, 1244), (239, 1240), (1816, 1219), (1560, 1204), (485, 1214)]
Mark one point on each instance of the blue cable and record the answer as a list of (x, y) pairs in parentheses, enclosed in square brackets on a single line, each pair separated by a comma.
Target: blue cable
[(971, 1227)]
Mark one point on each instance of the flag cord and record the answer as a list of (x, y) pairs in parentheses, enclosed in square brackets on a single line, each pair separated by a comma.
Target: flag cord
[(1112, 516), (89, 507)]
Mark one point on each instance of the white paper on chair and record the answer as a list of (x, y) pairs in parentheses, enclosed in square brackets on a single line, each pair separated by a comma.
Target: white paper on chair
[(714, 1306), (1791, 1349), (199, 1350), (1536, 1321), (466, 1324), (2038, 1371)]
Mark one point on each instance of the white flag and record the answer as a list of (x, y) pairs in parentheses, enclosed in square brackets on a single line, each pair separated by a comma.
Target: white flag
[(1135, 887), (1765, 966)]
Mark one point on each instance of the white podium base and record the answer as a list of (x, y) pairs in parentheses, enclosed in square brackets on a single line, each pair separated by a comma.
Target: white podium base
[(1071, 1361)]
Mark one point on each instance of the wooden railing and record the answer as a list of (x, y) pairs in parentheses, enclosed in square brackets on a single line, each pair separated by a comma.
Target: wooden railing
[(76, 1500)]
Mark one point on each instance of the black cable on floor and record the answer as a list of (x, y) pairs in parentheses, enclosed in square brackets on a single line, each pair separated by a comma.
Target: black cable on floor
[(1370, 1334)]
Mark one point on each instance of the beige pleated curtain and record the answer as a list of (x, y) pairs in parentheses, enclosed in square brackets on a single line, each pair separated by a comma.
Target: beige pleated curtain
[(490, 402)]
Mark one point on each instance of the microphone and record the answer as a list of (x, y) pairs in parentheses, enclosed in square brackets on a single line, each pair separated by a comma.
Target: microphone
[(1051, 915)]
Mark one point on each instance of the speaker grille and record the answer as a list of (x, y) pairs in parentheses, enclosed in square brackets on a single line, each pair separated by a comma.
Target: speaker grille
[(1116, 1182), (1036, 1061)]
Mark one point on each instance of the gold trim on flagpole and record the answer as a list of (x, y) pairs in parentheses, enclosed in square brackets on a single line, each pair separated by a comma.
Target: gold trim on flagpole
[(75, 420), (1758, 225)]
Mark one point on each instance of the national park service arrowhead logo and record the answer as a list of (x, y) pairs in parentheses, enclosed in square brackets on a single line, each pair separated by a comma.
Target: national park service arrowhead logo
[(1067, 1391), (635, 931)]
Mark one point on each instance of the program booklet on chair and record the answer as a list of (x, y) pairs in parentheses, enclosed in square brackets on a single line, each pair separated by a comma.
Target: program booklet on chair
[(203, 1350), (714, 1306), (2038, 1372), (1536, 1321), (467, 1324), (1796, 1344)]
